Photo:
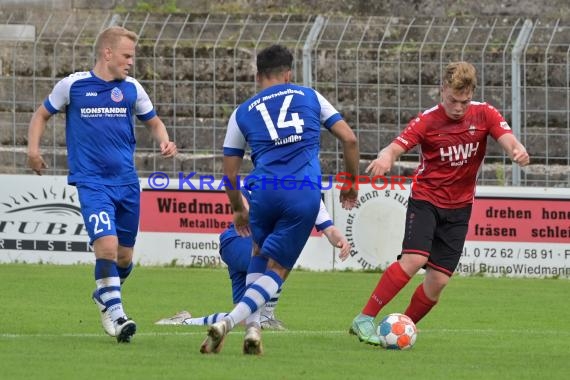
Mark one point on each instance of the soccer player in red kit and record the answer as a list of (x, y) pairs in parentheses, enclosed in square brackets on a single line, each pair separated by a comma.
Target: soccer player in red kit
[(453, 140)]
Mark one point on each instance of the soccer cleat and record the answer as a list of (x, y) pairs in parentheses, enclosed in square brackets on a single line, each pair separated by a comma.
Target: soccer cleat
[(363, 327), (106, 320), (271, 323), (252, 341), (125, 329), (215, 340), (176, 319)]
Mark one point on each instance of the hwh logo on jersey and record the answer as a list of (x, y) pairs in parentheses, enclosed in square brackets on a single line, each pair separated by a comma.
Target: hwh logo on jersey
[(458, 154)]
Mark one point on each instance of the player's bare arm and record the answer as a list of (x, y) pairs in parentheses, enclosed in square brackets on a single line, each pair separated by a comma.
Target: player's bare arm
[(337, 239), (516, 151), (385, 161), (342, 131), (232, 165), (160, 135), (35, 132)]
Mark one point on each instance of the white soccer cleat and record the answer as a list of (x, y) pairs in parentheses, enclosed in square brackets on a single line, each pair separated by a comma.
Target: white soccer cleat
[(269, 322), (215, 340), (252, 341), (176, 319), (106, 320), (125, 329)]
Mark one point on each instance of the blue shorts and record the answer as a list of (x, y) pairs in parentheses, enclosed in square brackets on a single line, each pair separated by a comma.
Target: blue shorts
[(236, 253), (281, 221), (110, 210)]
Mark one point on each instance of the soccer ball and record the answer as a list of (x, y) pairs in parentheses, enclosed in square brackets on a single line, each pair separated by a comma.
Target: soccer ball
[(397, 332)]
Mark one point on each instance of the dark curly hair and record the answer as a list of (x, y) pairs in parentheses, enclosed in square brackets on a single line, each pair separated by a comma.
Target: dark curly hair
[(274, 59)]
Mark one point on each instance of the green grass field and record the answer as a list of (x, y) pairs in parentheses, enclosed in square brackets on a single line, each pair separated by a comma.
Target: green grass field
[(484, 328)]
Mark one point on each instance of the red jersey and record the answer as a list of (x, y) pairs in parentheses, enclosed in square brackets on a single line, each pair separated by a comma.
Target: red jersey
[(451, 152)]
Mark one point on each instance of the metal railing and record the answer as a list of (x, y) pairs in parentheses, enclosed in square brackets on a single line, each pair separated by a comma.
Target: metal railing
[(378, 71)]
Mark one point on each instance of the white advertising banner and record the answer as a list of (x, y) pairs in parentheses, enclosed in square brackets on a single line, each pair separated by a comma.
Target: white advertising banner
[(40, 221), (518, 232)]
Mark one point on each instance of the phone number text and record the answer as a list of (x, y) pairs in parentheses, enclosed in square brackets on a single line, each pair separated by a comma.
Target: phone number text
[(516, 253)]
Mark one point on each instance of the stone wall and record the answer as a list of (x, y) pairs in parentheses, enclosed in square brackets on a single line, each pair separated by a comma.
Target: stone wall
[(203, 117), (401, 8)]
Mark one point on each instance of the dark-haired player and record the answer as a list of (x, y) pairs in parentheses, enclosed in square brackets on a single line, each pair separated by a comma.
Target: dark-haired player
[(282, 125)]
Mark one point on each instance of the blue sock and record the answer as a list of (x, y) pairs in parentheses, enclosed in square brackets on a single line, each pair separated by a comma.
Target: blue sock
[(257, 266), (256, 295), (213, 318), (124, 272), (270, 305), (205, 321), (109, 287)]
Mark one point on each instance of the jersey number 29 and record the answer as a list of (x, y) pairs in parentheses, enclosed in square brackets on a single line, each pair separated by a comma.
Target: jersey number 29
[(102, 218)]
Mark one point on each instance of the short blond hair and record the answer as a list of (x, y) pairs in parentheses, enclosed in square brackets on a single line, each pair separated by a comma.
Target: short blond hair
[(460, 76), (110, 36)]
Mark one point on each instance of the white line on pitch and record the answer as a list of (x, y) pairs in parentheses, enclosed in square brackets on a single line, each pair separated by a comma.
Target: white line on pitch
[(290, 332)]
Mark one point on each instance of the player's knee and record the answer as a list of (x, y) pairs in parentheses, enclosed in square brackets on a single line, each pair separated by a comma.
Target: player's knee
[(124, 256), (106, 247), (412, 263), (433, 289)]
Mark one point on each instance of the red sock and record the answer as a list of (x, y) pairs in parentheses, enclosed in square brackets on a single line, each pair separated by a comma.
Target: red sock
[(391, 282), (420, 305)]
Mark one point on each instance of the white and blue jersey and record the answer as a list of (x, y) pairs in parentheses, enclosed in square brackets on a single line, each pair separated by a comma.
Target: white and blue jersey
[(100, 126), (282, 125)]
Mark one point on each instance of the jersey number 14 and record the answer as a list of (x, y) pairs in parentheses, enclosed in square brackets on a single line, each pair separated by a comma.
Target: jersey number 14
[(294, 120)]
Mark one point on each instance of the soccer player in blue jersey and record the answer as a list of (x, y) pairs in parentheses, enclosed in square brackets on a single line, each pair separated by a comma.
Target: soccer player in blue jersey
[(100, 107), (235, 251), (282, 125)]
